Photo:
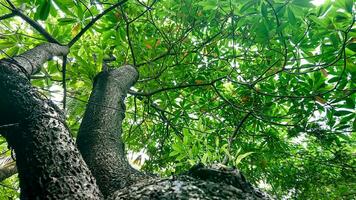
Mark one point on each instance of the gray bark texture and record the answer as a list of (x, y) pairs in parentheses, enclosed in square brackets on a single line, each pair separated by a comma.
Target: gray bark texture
[(49, 164), (99, 136)]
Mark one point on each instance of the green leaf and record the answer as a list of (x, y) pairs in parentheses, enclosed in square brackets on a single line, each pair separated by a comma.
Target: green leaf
[(242, 156), (66, 20), (264, 11), (208, 5), (174, 153), (302, 3), (6, 44), (65, 5), (352, 46), (13, 51), (247, 5), (261, 32), (43, 10), (291, 17), (324, 7), (342, 112), (321, 22), (350, 103), (349, 5), (205, 158)]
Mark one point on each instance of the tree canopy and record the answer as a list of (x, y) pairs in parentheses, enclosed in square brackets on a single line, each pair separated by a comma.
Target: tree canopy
[(266, 86)]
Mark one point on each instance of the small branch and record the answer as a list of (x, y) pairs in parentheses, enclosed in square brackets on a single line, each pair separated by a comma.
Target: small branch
[(148, 8), (64, 85), (6, 16), (128, 36), (11, 4), (8, 126), (87, 9), (238, 127), (36, 26), (174, 87), (233, 136), (92, 22), (285, 53), (166, 120)]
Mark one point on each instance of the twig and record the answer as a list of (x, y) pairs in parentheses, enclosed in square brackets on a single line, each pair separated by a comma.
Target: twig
[(6, 16), (128, 36), (8, 125), (92, 22), (64, 85), (36, 26), (233, 136), (175, 87)]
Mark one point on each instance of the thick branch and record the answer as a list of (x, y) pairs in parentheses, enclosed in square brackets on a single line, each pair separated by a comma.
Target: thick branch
[(99, 138), (31, 61), (49, 165)]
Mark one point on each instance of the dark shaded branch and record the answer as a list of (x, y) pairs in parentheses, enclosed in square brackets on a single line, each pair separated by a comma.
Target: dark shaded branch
[(280, 33), (99, 137), (174, 88), (233, 136), (148, 8), (166, 120), (17, 12), (128, 36), (6, 16), (92, 22), (11, 4), (64, 84), (238, 127)]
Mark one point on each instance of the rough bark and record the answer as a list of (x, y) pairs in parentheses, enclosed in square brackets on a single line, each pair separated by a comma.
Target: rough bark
[(31, 61), (99, 136), (199, 183), (48, 162)]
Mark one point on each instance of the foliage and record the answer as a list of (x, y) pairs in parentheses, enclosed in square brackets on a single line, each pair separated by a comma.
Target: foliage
[(268, 85)]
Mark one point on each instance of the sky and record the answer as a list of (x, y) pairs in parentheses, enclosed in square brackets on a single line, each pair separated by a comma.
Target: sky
[(317, 2)]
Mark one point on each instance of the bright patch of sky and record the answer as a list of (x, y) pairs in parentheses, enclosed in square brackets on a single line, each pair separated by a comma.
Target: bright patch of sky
[(317, 2), (137, 159)]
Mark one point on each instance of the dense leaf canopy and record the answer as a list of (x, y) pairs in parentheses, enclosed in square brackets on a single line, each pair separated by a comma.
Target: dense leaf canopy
[(267, 86)]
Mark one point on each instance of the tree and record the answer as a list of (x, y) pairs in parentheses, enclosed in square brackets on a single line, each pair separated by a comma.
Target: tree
[(265, 86)]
